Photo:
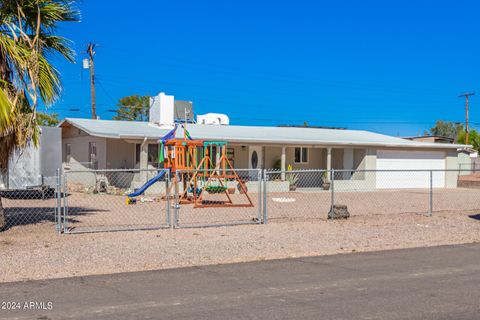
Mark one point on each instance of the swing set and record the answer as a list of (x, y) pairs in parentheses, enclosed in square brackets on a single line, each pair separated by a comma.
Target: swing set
[(201, 169)]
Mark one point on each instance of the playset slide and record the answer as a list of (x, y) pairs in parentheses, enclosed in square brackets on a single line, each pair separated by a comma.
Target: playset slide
[(147, 185)]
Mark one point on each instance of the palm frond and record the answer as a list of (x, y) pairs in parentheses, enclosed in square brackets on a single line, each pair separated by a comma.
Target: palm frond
[(5, 112), (48, 81), (27, 41), (58, 45)]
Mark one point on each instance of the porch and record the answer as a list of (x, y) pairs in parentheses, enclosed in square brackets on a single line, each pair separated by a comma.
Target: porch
[(301, 157)]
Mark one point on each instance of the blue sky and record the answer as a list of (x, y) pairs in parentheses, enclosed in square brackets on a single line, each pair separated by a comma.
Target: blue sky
[(392, 67)]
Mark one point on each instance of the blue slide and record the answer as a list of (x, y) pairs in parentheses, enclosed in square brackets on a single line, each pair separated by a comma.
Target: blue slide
[(147, 185)]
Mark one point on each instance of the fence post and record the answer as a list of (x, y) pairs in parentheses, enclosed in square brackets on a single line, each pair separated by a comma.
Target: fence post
[(430, 212), (176, 205), (332, 187), (264, 196), (167, 191), (58, 225), (260, 195), (65, 203)]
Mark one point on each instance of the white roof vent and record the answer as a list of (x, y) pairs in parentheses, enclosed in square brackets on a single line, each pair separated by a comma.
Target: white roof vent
[(213, 118)]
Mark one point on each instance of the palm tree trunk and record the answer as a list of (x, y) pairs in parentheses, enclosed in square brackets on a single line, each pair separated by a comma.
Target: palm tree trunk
[(2, 216)]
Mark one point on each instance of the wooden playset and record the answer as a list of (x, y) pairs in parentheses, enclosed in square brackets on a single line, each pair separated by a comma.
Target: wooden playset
[(200, 170)]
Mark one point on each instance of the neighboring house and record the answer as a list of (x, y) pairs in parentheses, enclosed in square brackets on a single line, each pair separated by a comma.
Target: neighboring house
[(434, 139), (107, 144), (35, 166)]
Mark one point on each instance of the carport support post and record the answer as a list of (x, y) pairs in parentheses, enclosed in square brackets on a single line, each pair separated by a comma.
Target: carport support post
[(430, 212), (283, 163)]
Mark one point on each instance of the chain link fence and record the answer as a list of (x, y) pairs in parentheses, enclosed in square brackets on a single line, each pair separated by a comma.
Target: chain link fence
[(111, 200), (312, 194), (114, 200), (29, 201), (296, 195), (469, 168), (383, 192), (206, 198)]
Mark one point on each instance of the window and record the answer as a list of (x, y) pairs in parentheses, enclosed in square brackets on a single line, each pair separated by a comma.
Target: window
[(137, 153), (92, 155), (254, 159), (152, 156), (301, 155), (68, 152)]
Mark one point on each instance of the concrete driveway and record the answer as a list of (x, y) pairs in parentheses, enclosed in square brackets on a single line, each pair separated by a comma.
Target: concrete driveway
[(425, 283)]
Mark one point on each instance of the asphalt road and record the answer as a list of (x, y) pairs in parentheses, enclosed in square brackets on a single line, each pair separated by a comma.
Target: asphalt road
[(424, 283)]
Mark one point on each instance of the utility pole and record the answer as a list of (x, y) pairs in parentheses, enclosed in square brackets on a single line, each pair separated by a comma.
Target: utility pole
[(91, 53), (466, 95)]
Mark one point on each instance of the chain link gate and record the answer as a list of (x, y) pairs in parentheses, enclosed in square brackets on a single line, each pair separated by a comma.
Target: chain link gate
[(114, 200), (214, 201)]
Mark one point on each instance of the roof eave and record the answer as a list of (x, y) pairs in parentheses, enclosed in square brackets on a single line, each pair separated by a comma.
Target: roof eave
[(372, 144)]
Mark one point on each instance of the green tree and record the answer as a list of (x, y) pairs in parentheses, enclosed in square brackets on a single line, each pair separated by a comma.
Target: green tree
[(446, 129), (46, 119), (28, 42), (473, 138), (133, 108)]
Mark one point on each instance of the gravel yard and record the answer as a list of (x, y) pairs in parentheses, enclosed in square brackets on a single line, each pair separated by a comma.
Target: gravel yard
[(361, 203), (380, 220)]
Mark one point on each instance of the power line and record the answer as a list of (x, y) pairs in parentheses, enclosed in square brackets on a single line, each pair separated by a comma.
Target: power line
[(106, 93)]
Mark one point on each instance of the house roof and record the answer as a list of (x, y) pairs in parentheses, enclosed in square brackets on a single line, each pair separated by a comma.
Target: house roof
[(435, 138), (250, 134)]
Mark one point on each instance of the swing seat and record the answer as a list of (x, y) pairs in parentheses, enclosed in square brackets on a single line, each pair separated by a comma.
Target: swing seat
[(198, 191)]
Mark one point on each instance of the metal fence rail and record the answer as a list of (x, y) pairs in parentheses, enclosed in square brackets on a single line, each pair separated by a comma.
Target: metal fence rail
[(96, 200), (199, 206)]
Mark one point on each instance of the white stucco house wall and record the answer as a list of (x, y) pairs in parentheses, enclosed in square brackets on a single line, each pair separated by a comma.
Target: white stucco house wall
[(108, 144)]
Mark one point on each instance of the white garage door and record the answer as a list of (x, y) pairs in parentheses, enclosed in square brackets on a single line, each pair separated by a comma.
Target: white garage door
[(409, 160)]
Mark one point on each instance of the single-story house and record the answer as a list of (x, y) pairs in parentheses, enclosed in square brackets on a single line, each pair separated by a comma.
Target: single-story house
[(110, 144)]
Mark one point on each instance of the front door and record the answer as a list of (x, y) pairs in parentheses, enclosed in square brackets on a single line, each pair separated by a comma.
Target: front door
[(255, 157), (255, 161)]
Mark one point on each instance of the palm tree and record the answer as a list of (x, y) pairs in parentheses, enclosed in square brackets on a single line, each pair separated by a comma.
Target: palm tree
[(28, 41)]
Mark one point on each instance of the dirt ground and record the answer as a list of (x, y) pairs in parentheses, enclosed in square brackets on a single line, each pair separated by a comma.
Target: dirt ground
[(30, 249)]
